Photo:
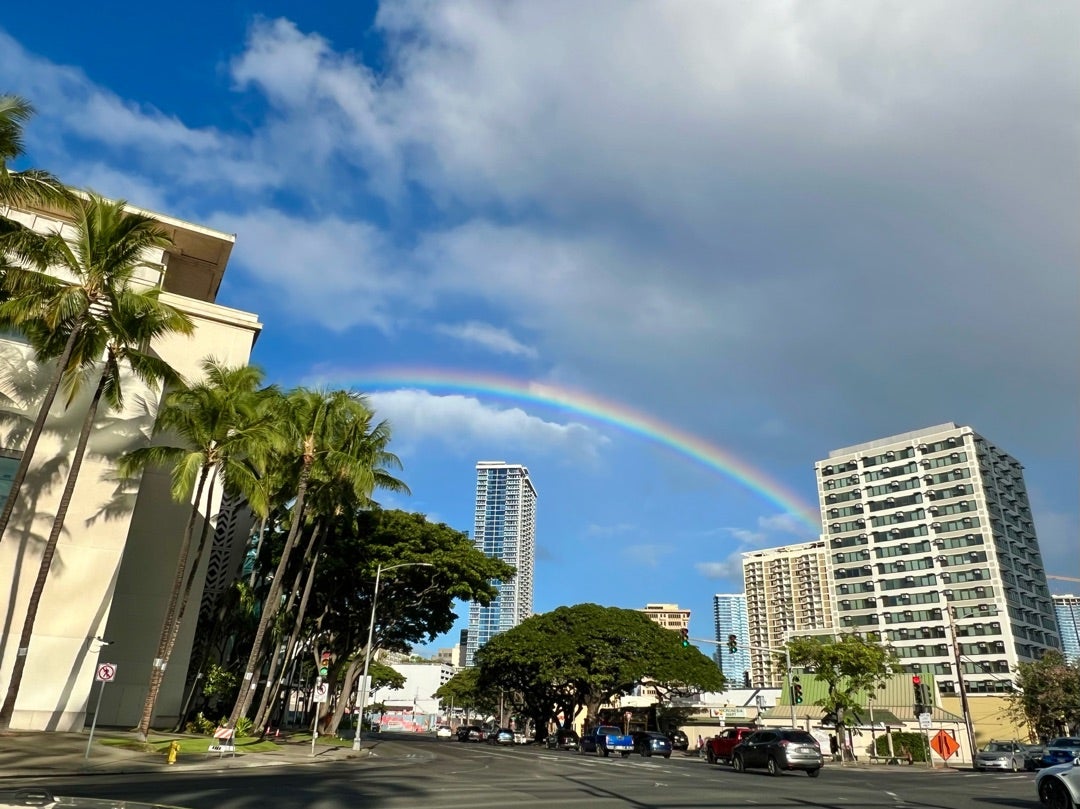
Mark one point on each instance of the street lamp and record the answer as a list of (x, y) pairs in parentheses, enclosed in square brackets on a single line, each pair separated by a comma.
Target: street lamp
[(367, 649)]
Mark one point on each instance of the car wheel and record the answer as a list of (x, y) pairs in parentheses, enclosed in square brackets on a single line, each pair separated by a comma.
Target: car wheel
[(774, 766), (709, 756), (1014, 767), (603, 752), (813, 773), (1053, 794), (737, 764), (667, 755)]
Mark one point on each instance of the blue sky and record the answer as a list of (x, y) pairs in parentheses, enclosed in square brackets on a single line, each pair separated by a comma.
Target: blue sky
[(780, 228)]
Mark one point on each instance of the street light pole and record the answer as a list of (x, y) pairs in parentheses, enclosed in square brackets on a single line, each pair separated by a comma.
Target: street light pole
[(367, 649)]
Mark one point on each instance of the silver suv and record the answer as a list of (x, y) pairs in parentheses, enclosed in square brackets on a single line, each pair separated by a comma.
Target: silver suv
[(778, 749)]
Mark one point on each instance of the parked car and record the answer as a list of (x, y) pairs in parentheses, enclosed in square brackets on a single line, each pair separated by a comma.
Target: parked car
[(1033, 756), (501, 736), (650, 743), (1058, 786), (520, 737), (470, 733), (563, 739), (443, 732), (679, 740), (718, 748), (778, 749), (1000, 756), (1061, 751)]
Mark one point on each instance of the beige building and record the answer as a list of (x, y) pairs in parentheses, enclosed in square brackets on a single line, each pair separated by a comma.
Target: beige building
[(668, 616), (115, 562), (787, 593)]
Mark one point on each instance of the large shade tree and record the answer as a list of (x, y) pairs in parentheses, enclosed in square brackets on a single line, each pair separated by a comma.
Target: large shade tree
[(580, 657), (1047, 698), (102, 324)]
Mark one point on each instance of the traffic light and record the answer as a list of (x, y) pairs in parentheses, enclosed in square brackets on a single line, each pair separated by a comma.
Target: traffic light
[(917, 691), (685, 636), (796, 691), (732, 644), (324, 664), (746, 679)]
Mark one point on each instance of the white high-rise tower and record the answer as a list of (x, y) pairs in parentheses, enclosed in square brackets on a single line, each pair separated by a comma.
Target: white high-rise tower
[(504, 528)]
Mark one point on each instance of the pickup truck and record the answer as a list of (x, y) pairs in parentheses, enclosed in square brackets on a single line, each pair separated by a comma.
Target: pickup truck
[(605, 740), (718, 748)]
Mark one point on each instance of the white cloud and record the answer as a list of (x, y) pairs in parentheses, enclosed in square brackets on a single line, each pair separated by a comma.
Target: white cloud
[(492, 338), (729, 569), (646, 555), (463, 421)]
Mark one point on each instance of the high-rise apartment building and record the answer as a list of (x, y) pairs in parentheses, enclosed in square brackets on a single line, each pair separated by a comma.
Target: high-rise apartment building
[(504, 528), (930, 538), (1067, 612), (787, 593), (668, 616), (730, 618)]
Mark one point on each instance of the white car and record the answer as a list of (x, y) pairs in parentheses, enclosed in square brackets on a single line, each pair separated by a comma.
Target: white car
[(1059, 786), (443, 732)]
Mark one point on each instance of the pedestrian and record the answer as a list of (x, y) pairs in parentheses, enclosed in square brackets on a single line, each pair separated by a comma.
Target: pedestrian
[(700, 745), (834, 745)]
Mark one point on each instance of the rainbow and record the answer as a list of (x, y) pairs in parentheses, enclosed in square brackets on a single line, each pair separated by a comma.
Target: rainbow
[(592, 407)]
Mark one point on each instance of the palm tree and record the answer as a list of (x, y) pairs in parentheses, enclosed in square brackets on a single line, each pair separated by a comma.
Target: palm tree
[(98, 314), (30, 186), (225, 431), (327, 433)]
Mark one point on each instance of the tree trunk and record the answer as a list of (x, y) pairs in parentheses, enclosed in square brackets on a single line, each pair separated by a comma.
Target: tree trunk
[(349, 680), (47, 555), (273, 687), (167, 636), (35, 433), (270, 606)]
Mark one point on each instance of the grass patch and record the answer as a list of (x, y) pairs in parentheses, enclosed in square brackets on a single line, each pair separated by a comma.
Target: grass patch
[(158, 745)]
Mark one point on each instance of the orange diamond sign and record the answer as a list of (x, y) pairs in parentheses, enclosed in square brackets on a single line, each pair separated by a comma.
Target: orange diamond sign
[(944, 745)]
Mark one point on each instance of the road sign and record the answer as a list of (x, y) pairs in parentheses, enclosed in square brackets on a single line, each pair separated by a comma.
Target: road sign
[(322, 691), (925, 721), (106, 673), (944, 745)]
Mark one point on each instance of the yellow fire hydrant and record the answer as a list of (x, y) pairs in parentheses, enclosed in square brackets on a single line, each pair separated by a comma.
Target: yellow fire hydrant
[(174, 751)]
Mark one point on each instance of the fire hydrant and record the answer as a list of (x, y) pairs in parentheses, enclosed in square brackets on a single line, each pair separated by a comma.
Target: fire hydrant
[(174, 751)]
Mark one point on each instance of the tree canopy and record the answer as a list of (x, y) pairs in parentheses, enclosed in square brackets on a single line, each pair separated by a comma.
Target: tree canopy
[(847, 664), (582, 656), (1048, 699)]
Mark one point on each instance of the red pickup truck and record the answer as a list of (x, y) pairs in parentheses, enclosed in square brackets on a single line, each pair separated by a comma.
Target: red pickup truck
[(718, 748)]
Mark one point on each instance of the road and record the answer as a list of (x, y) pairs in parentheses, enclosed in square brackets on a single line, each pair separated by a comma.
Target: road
[(410, 772)]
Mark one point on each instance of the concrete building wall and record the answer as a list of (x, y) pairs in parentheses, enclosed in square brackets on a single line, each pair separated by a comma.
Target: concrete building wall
[(115, 560)]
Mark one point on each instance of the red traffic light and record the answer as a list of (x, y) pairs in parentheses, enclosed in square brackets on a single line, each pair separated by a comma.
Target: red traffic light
[(915, 679)]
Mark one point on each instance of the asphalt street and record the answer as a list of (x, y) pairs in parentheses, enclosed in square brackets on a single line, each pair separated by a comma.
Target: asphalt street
[(422, 772)]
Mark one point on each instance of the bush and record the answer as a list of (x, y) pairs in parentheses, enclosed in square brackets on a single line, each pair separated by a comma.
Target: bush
[(243, 726), (914, 743), (200, 724)]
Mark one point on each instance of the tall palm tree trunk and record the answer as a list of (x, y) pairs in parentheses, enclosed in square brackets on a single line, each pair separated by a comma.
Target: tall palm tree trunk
[(167, 636), (270, 606), (47, 555), (35, 433), (273, 687)]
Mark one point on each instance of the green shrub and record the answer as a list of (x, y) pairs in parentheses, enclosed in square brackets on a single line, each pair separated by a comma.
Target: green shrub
[(914, 743), (200, 724), (243, 726)]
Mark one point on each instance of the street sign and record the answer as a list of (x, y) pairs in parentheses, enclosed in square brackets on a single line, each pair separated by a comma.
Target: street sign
[(106, 673), (925, 721), (322, 691), (944, 745)]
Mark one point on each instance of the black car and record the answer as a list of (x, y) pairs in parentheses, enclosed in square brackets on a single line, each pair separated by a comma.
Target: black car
[(650, 743), (778, 749), (679, 740), (470, 733), (563, 739)]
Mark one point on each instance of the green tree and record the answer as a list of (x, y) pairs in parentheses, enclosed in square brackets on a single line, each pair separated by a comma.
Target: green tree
[(30, 186), (224, 429), (582, 656), (1048, 695), (848, 664), (463, 690), (111, 318), (327, 436)]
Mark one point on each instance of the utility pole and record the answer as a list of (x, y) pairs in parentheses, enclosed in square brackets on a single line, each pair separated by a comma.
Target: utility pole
[(960, 678)]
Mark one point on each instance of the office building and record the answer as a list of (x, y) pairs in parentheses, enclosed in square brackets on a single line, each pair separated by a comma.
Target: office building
[(1067, 612), (930, 538), (730, 618), (115, 562), (787, 593), (505, 528), (668, 616)]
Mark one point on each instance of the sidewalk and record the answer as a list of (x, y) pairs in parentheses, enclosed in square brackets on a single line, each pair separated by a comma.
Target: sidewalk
[(28, 754)]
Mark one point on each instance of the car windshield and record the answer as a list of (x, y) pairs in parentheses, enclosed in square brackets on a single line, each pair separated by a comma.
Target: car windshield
[(998, 747), (1065, 742)]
